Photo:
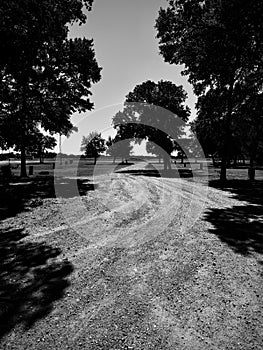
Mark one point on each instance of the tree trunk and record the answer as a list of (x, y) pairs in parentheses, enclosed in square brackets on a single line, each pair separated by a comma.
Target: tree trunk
[(23, 172), (235, 162), (227, 131), (213, 160), (41, 159), (95, 160), (166, 163), (251, 169), (23, 121), (223, 169)]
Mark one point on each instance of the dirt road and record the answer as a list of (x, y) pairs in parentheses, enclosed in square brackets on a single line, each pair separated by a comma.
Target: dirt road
[(152, 268)]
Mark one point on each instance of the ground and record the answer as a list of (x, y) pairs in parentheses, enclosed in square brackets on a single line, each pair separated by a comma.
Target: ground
[(140, 259)]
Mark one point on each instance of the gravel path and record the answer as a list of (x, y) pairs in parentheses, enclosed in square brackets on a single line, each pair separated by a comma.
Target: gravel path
[(151, 269)]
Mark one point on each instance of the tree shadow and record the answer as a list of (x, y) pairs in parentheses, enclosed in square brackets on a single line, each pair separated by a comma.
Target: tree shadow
[(172, 173), (19, 195), (31, 279), (240, 226), (243, 190), (123, 165)]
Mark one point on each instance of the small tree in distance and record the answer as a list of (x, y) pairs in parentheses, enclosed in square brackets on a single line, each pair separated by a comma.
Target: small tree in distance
[(93, 145)]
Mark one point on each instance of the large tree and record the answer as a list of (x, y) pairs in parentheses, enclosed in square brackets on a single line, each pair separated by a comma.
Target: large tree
[(246, 124), (155, 112), (118, 148), (249, 129), (220, 44), (45, 76)]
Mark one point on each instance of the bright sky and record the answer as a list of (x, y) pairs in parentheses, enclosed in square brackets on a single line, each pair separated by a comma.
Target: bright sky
[(127, 50)]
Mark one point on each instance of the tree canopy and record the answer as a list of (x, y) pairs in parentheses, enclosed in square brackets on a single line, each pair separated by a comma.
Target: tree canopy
[(118, 148), (93, 145), (38, 143), (155, 112), (45, 76), (220, 44)]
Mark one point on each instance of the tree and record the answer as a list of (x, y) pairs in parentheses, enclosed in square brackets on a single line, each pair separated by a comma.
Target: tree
[(220, 44), (249, 129), (246, 124), (208, 125), (40, 143), (118, 148), (37, 143), (152, 110), (152, 148), (45, 76), (93, 145)]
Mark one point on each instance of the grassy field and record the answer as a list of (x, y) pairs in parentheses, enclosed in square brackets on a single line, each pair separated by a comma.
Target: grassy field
[(84, 167)]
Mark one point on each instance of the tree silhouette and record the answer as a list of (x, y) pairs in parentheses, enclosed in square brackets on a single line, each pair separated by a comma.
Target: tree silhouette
[(118, 148), (220, 44), (45, 76), (151, 111), (93, 145)]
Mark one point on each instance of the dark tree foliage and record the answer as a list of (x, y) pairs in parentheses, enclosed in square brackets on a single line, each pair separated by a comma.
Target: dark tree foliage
[(248, 129), (151, 111), (118, 148), (40, 143), (208, 124), (93, 145), (246, 138), (220, 44), (45, 77)]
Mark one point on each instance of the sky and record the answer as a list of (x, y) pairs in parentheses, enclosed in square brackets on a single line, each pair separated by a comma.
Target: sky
[(127, 50)]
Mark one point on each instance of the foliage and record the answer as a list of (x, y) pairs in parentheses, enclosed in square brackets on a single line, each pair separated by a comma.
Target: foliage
[(220, 44), (218, 41), (151, 111), (45, 76), (249, 126), (40, 143), (118, 147), (93, 145)]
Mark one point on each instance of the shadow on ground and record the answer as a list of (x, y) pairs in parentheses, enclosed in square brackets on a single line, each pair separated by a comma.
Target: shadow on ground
[(173, 173), (18, 195), (31, 279), (241, 227)]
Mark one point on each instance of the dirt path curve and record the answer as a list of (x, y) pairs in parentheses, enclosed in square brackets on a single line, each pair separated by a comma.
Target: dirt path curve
[(149, 271)]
